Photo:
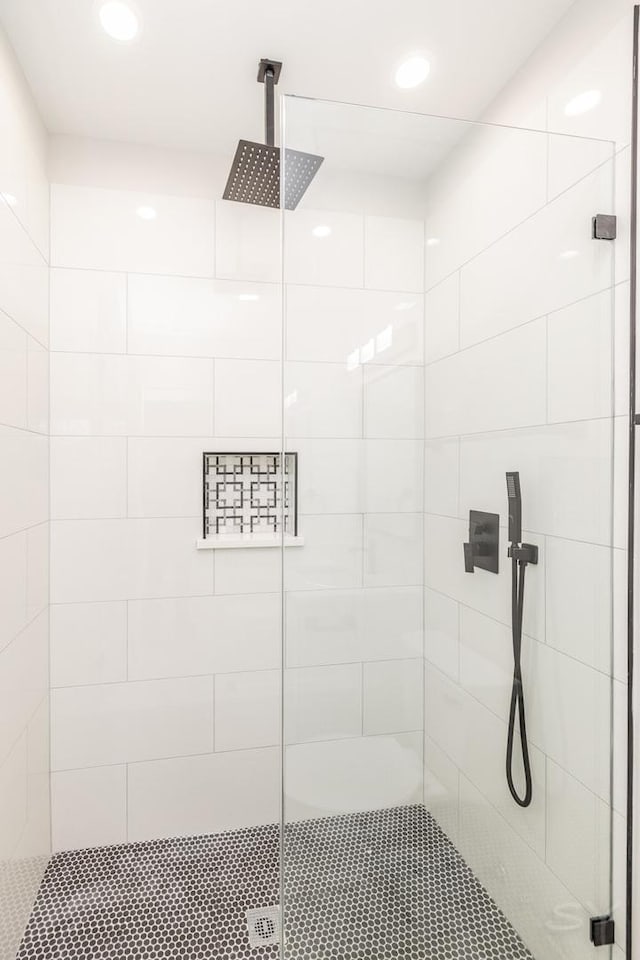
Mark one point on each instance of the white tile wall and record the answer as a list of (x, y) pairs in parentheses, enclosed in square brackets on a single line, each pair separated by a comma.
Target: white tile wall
[(179, 316), (163, 350), (519, 350), (203, 794), (332, 259), (88, 311), (25, 829), (100, 229), (394, 254), (393, 697), (123, 722), (89, 807)]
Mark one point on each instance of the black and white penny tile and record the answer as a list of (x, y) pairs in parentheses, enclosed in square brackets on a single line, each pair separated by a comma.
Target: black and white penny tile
[(379, 885)]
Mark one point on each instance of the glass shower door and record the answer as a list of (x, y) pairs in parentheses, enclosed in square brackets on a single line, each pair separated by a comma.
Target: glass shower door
[(448, 320)]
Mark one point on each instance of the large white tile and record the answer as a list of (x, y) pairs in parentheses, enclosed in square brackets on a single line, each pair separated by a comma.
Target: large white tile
[(339, 626), (248, 398), (331, 555), (37, 387), (393, 549), (393, 697), (441, 319), (579, 601), (441, 632), (392, 472), (24, 278), (512, 874), (88, 311), (553, 244), (332, 476), (119, 395), (394, 254), (491, 386), (24, 668), (88, 643), (486, 661), (393, 401), (88, 477), (441, 788), (198, 795), (344, 776), (247, 710), (322, 400), (247, 571), (569, 717), (333, 259), (164, 476), (183, 316), (565, 475), (24, 476), (96, 228), (578, 839), (342, 325), (248, 243), (13, 586), (13, 373), (492, 183), (123, 722), (89, 807), (475, 739), (580, 347), (322, 703), (127, 559), (441, 468), (203, 635), (38, 567)]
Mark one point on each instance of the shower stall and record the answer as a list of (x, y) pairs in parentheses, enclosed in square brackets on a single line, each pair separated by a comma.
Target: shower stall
[(298, 746)]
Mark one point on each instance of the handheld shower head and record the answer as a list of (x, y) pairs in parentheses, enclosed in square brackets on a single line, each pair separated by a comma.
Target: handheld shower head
[(515, 507)]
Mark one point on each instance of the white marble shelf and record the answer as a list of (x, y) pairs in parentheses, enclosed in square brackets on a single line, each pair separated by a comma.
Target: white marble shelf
[(247, 541)]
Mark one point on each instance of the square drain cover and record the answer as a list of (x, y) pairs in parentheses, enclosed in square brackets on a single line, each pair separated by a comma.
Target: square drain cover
[(264, 926)]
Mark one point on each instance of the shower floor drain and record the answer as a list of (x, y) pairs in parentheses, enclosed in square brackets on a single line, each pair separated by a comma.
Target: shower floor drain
[(264, 926)]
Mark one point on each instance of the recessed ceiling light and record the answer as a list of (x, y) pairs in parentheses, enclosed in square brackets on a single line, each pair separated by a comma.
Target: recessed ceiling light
[(412, 72), (119, 21), (322, 230), (583, 102), (248, 297), (569, 254), (433, 241), (9, 199), (147, 213)]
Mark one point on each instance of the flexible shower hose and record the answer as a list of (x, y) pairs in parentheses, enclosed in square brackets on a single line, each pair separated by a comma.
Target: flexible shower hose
[(517, 692)]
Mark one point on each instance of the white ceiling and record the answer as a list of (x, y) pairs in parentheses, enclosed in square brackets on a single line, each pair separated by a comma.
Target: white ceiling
[(188, 81)]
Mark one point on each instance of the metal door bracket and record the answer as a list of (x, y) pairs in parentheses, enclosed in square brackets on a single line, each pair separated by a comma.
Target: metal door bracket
[(602, 931), (604, 226)]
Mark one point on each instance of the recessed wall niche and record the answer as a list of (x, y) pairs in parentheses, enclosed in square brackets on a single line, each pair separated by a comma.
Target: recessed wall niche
[(248, 499)]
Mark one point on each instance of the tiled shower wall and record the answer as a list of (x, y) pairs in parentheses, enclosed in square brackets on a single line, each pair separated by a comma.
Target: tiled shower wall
[(520, 350), (24, 508), (166, 341)]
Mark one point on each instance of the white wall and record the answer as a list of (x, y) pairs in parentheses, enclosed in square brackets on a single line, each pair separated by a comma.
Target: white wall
[(520, 353), (166, 341), (24, 507)]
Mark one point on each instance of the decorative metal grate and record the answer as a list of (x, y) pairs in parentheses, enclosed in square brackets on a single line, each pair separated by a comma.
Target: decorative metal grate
[(248, 493)]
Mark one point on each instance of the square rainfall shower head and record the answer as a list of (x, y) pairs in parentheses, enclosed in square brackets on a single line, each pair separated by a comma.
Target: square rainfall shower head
[(255, 175)]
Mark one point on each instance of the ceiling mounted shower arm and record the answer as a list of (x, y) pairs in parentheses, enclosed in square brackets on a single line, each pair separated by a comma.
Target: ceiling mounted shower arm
[(269, 74)]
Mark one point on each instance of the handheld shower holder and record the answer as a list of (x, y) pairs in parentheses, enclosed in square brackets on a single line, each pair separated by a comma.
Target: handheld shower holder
[(524, 553)]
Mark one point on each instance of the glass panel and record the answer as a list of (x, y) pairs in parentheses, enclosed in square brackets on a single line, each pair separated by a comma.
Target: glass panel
[(448, 321)]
